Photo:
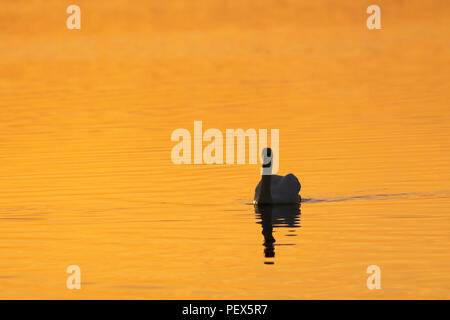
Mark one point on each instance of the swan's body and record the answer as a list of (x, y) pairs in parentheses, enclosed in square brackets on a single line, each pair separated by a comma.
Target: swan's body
[(275, 189), (284, 189)]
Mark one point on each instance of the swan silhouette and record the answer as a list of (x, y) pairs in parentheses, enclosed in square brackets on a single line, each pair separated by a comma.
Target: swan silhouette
[(275, 189)]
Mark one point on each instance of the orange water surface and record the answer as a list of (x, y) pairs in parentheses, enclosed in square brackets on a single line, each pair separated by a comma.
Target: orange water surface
[(86, 175)]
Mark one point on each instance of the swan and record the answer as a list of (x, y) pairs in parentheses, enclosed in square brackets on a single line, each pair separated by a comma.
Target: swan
[(275, 189)]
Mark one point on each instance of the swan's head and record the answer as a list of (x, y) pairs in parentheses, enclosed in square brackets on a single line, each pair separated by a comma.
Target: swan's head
[(267, 157)]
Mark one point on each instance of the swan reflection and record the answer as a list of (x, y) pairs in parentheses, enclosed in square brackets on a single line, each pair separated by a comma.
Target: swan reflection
[(276, 216)]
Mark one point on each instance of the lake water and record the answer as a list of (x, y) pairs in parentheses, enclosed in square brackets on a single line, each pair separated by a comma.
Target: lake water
[(86, 175)]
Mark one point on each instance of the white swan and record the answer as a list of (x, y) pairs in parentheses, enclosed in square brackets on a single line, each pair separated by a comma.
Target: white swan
[(275, 189)]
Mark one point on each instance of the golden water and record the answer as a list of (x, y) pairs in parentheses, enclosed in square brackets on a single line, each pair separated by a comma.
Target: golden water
[(86, 176)]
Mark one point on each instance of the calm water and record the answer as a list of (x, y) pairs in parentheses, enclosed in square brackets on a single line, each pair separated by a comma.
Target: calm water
[(87, 179)]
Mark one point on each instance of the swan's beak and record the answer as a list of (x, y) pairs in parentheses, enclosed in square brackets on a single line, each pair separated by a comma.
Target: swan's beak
[(267, 157)]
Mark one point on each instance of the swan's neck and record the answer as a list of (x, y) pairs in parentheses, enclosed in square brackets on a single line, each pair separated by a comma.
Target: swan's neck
[(266, 192), (267, 171), (265, 196)]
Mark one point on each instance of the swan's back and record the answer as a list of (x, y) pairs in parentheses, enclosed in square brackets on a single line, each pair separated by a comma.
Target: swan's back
[(284, 189)]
